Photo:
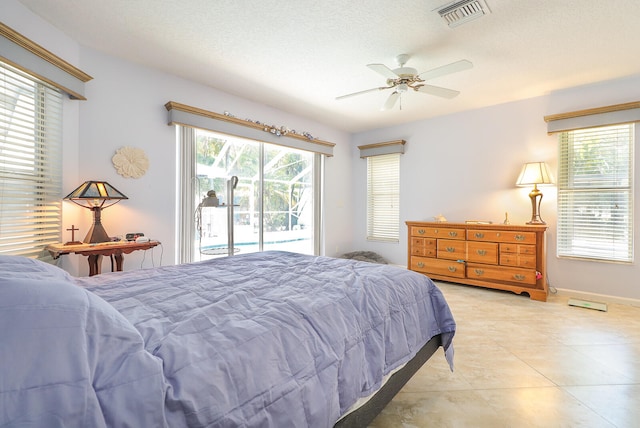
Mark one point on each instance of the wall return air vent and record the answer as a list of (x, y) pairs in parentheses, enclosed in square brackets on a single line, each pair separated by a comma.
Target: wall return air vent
[(459, 12)]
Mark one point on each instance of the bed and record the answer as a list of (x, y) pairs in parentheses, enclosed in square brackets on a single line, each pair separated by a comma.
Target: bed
[(271, 339)]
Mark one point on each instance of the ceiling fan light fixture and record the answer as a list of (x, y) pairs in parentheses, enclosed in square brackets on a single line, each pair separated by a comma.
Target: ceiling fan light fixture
[(459, 12), (405, 71)]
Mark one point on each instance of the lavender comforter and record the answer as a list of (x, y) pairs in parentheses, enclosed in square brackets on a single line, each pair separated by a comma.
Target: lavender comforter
[(269, 339)]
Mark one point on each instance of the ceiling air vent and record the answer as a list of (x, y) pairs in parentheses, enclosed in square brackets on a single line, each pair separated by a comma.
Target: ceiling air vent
[(459, 12)]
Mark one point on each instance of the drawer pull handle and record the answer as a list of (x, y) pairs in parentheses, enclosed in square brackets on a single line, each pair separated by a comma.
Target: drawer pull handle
[(421, 231), (452, 268), (479, 272), (420, 264), (453, 233), (519, 237), (519, 277), (451, 249), (481, 252), (479, 235)]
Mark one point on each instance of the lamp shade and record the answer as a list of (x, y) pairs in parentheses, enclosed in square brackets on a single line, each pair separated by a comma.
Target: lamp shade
[(95, 194), (534, 173)]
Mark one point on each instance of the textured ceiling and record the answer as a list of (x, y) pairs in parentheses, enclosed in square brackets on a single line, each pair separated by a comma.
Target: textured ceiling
[(300, 55)]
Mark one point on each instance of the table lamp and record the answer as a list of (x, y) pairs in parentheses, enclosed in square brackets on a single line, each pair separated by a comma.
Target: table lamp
[(535, 173), (96, 195)]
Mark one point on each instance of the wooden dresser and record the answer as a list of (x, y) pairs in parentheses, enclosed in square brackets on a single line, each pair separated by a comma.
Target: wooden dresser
[(506, 257)]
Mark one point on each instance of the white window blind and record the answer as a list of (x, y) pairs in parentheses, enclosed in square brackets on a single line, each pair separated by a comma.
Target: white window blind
[(595, 193), (383, 197), (30, 164)]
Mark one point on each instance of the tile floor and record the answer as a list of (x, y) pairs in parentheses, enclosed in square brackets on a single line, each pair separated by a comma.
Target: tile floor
[(522, 363)]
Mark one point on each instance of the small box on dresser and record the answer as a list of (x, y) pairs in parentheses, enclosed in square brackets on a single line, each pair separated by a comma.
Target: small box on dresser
[(505, 257)]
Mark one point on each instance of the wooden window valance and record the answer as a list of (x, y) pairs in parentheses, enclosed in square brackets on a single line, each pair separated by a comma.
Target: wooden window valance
[(386, 148), (594, 117), (181, 114), (26, 55)]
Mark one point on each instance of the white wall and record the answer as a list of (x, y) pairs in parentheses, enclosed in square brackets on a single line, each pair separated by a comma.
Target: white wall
[(125, 107), (465, 165)]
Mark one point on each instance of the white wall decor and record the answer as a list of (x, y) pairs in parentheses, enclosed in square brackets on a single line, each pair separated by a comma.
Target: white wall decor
[(130, 162)]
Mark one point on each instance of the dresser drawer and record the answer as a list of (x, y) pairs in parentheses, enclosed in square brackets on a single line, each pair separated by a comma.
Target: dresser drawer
[(499, 273), (482, 252), (423, 247), (515, 237), (417, 242), (521, 255), (519, 260), (437, 232), (451, 250), (438, 266), (517, 248)]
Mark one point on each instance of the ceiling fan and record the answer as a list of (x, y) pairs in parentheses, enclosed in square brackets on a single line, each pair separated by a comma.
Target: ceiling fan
[(404, 78)]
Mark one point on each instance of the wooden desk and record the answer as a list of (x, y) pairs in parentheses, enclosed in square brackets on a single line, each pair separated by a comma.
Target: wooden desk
[(94, 252)]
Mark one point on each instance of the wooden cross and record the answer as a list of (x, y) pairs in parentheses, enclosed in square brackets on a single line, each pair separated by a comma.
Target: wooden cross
[(73, 236)]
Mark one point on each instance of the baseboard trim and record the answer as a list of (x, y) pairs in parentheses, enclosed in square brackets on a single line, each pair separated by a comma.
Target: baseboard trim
[(594, 297)]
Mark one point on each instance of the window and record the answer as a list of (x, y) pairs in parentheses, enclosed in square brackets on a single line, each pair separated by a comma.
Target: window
[(30, 164), (273, 198), (383, 197), (279, 172), (383, 189), (595, 193)]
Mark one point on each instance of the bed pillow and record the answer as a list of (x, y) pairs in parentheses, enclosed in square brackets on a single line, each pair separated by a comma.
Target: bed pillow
[(68, 357), (23, 267)]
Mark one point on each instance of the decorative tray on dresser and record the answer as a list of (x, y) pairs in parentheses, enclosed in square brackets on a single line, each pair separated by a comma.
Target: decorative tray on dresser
[(505, 257)]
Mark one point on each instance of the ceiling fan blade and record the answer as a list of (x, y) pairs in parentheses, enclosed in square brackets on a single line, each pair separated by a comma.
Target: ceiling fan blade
[(438, 91), (454, 67), (363, 92), (391, 101), (383, 70)]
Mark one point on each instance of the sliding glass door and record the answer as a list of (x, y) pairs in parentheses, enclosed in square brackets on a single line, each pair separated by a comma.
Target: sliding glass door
[(274, 203)]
